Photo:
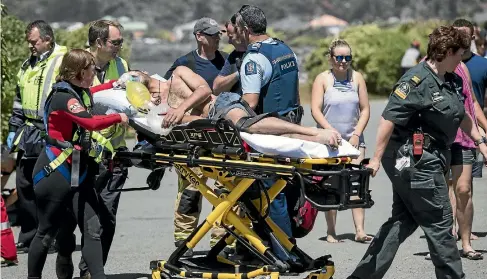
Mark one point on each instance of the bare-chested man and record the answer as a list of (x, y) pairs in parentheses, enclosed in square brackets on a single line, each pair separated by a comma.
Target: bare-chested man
[(189, 98)]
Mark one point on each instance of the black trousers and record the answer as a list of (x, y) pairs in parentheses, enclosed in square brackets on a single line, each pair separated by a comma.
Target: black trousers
[(60, 209), (108, 207), (27, 212)]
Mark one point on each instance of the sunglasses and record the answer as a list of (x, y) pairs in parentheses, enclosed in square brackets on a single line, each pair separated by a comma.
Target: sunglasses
[(116, 42), (340, 58)]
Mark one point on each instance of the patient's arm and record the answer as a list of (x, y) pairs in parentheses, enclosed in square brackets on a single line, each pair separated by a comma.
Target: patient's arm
[(200, 88), (276, 126)]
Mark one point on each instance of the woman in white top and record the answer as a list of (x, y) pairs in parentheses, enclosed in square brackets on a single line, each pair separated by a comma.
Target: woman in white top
[(339, 101)]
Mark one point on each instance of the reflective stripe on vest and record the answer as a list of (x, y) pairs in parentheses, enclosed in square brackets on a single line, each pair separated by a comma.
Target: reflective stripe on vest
[(5, 226)]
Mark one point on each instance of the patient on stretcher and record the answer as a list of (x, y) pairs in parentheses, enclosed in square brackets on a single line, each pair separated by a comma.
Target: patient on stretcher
[(189, 98)]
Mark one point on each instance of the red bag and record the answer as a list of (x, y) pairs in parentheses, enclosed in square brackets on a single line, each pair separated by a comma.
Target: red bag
[(304, 220)]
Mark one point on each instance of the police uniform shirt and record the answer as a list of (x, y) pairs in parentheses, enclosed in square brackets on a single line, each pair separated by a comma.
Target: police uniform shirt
[(256, 71), (440, 104)]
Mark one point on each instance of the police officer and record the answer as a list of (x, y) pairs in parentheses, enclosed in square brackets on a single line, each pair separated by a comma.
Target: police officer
[(35, 78), (417, 128), (106, 40), (269, 80), (269, 70)]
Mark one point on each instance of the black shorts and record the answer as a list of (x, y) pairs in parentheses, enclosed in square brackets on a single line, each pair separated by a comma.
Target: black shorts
[(462, 156)]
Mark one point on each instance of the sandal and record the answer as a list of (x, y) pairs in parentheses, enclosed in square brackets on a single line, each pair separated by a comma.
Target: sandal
[(473, 255)]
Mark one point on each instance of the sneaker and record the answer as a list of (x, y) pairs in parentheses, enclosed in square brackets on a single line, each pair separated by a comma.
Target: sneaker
[(64, 267), (6, 262), (87, 275)]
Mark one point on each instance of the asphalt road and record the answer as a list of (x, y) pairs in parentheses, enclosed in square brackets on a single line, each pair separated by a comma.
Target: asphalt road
[(145, 223)]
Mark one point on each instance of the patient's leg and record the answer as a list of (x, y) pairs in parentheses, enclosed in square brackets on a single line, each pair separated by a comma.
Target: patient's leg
[(276, 126)]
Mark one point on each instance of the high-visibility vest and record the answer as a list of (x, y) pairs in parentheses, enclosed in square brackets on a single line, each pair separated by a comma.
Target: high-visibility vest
[(35, 82), (116, 133), (116, 67)]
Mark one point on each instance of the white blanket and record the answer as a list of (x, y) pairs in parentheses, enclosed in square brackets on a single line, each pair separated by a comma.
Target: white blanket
[(297, 148), (284, 146)]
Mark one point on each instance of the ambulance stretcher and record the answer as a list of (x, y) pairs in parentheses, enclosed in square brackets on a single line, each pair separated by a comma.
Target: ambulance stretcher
[(325, 177)]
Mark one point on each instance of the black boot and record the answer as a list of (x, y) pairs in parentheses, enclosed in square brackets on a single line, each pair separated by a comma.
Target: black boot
[(64, 267)]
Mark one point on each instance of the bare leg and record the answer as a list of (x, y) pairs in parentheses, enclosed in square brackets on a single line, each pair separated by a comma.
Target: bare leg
[(358, 214), (331, 220), (462, 175), (453, 201), (276, 126)]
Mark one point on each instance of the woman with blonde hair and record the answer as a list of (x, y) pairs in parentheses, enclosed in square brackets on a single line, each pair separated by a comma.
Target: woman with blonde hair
[(65, 171), (339, 101)]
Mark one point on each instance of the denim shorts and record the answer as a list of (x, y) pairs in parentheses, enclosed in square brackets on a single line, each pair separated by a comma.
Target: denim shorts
[(462, 156), (225, 102), (477, 168)]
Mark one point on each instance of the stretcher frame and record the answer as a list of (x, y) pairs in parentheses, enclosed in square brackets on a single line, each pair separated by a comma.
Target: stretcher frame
[(224, 159)]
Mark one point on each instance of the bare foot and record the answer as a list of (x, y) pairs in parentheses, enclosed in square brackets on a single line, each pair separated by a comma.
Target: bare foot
[(473, 237), (363, 238), (331, 238)]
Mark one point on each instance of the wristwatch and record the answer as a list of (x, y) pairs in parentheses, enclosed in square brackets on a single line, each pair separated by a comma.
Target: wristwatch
[(480, 141)]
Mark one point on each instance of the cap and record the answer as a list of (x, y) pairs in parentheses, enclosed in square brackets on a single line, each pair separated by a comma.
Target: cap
[(206, 25)]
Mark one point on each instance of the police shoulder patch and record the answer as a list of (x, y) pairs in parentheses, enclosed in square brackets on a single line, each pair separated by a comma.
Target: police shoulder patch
[(74, 106), (402, 90), (250, 68)]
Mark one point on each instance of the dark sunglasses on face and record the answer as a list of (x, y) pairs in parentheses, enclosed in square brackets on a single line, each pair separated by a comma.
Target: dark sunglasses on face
[(340, 58), (116, 42)]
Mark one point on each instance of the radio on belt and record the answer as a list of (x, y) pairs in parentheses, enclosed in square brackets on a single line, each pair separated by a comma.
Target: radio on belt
[(418, 143)]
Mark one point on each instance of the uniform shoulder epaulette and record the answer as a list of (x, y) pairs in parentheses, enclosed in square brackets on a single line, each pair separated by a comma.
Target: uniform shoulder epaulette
[(255, 46), (416, 80), (278, 40)]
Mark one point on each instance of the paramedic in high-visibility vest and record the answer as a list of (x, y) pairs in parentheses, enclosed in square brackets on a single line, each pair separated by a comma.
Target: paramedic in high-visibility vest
[(106, 39), (34, 81)]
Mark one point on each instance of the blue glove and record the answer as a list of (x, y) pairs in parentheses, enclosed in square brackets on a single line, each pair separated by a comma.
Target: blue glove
[(10, 139)]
